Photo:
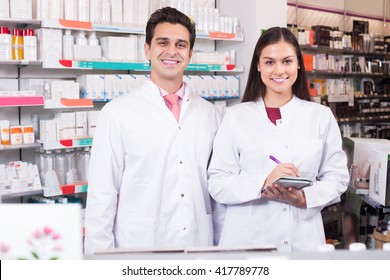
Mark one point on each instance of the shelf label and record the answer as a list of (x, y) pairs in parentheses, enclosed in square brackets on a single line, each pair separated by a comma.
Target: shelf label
[(220, 35), (75, 24), (85, 142)]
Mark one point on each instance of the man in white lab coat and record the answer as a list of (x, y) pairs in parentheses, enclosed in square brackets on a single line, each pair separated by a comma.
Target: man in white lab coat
[(147, 176)]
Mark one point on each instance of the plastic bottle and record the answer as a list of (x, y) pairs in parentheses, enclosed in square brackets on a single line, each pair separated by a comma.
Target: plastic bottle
[(56, 9), (95, 11), (17, 44), (5, 44), (47, 90), (67, 45), (4, 8), (70, 165), (80, 39), (70, 9), (106, 12), (92, 40), (59, 167), (83, 10), (48, 165), (82, 164), (29, 45)]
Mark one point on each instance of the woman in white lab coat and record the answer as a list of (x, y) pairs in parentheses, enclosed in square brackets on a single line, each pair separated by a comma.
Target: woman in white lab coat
[(276, 131)]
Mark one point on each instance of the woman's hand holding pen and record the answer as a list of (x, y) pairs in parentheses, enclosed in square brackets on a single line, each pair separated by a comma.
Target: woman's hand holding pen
[(275, 192), (282, 169)]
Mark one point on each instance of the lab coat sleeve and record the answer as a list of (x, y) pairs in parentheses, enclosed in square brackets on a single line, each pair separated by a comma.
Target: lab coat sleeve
[(105, 175), (333, 176), (227, 184)]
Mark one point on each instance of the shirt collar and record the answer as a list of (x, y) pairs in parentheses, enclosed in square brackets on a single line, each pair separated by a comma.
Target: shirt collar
[(180, 92)]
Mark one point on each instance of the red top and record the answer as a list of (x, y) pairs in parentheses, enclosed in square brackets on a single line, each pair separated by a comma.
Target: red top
[(273, 114)]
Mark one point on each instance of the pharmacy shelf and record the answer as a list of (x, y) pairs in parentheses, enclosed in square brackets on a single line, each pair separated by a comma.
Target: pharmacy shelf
[(68, 103), (20, 21), (88, 26), (21, 101), (344, 74), (221, 97), (67, 144), (17, 147), (334, 98), (79, 187), (219, 36), (364, 119), (21, 62), (134, 66), (8, 195), (127, 29)]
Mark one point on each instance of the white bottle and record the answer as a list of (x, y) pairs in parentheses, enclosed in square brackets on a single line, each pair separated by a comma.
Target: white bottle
[(29, 45), (70, 9), (92, 40), (95, 11), (106, 12), (42, 9), (56, 9), (67, 45), (5, 44), (4, 8), (83, 10), (81, 40)]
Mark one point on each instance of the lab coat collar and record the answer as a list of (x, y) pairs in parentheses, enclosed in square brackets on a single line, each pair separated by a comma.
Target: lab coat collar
[(151, 89), (287, 108)]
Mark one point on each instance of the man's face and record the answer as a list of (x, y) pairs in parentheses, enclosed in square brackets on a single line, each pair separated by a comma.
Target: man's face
[(169, 52)]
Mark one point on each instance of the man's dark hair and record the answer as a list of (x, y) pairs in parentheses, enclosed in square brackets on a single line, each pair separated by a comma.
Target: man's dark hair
[(171, 15)]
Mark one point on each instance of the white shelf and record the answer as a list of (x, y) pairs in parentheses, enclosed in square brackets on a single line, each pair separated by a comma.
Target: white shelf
[(21, 101), (68, 103), (84, 25), (77, 187), (17, 147), (16, 21), (8, 195), (134, 66), (67, 144), (21, 62)]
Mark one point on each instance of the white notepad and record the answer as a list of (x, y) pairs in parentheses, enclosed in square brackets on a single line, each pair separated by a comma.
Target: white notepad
[(294, 182)]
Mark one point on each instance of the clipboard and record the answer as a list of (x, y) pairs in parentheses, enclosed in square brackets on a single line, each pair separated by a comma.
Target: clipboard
[(294, 182)]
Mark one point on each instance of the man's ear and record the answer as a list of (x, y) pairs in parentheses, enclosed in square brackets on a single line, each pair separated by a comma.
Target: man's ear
[(147, 51)]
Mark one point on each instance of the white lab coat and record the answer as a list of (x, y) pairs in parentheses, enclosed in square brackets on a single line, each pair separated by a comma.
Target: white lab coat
[(147, 174), (309, 137)]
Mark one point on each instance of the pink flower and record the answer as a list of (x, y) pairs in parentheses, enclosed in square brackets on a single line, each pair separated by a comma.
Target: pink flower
[(47, 230), (37, 234), (56, 236), (4, 248)]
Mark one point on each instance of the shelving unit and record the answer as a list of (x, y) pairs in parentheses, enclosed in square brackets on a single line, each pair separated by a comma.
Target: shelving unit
[(70, 69)]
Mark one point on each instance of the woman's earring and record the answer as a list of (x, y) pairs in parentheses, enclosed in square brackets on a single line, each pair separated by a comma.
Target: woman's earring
[(299, 67)]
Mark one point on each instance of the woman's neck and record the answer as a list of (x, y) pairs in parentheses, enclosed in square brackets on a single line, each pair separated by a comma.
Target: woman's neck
[(276, 100)]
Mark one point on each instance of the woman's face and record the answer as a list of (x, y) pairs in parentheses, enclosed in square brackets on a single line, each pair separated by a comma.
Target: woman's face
[(278, 66)]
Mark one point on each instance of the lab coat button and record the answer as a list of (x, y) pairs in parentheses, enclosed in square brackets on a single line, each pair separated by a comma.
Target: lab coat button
[(182, 195), (184, 228), (179, 127), (180, 162), (285, 242), (284, 209), (285, 146)]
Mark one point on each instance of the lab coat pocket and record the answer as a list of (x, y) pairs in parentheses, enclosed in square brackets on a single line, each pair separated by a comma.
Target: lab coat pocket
[(242, 230), (136, 233)]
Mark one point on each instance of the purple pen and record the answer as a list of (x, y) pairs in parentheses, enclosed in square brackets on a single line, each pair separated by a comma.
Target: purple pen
[(275, 159)]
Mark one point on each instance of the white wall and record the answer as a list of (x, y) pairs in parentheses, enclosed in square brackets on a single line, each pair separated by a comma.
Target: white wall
[(254, 15)]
